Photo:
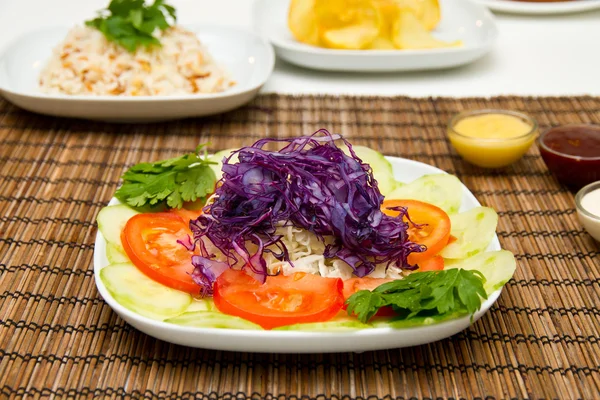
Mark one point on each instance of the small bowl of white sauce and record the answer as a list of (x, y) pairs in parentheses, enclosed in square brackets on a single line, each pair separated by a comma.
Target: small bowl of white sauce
[(587, 202)]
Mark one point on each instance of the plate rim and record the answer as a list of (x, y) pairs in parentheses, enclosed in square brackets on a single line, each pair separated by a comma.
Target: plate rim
[(540, 8), (373, 333), (196, 27), (299, 47)]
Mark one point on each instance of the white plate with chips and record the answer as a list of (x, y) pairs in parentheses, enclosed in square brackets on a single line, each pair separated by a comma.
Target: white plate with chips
[(461, 20), (540, 8)]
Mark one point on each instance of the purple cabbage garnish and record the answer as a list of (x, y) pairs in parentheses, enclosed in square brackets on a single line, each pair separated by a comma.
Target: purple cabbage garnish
[(206, 271), (310, 184)]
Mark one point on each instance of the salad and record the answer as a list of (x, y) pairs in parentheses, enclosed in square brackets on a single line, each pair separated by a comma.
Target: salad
[(308, 233)]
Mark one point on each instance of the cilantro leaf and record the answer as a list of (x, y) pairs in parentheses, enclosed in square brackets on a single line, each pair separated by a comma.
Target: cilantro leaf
[(167, 183), (365, 304), (132, 23), (469, 290), (136, 17), (123, 7), (420, 294)]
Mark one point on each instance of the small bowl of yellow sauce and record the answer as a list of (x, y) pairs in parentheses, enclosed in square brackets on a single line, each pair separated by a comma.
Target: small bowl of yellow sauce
[(492, 138)]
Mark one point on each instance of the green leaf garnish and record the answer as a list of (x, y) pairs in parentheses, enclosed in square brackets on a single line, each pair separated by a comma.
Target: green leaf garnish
[(167, 183), (440, 293), (132, 23)]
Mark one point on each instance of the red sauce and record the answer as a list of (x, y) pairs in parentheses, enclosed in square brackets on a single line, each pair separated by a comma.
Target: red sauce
[(572, 153)]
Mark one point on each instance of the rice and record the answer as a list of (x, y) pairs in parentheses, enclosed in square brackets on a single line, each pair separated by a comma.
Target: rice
[(86, 63)]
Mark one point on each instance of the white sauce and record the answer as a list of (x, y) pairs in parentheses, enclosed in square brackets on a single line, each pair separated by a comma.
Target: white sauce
[(591, 202)]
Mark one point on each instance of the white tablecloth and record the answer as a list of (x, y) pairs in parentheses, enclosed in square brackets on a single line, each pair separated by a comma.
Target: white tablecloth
[(534, 55)]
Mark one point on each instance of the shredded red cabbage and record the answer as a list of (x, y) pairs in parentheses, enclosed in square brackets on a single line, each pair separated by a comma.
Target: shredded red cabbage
[(310, 184)]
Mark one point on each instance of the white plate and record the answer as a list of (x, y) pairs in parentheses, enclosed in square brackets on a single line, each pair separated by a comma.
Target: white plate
[(248, 58), (533, 8), (301, 342), (461, 19)]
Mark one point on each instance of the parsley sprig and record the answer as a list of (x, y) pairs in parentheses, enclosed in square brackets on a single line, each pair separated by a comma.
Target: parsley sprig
[(433, 293), (168, 183), (132, 23)]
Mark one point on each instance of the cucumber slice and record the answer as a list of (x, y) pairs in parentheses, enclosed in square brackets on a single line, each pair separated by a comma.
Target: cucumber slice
[(218, 158), (201, 305), (212, 319), (135, 291), (497, 267), (473, 229), (111, 221), (415, 321), (382, 169), (385, 182), (442, 190), (115, 254), (329, 326)]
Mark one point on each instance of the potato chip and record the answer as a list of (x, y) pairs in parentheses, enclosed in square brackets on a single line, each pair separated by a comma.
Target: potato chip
[(409, 33), (431, 14), (382, 43), (366, 24), (426, 11), (337, 14), (414, 6), (388, 9), (351, 37), (302, 21), (347, 24)]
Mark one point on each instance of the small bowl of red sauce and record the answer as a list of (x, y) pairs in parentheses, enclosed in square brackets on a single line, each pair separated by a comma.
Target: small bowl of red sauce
[(572, 153)]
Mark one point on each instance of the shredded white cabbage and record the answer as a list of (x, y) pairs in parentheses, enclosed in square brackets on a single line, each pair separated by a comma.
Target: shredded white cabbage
[(306, 253)]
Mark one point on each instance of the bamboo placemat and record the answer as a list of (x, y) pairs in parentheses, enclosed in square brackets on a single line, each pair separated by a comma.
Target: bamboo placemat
[(59, 338)]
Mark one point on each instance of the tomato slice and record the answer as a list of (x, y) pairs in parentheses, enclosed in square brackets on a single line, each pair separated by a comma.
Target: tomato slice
[(186, 214), (434, 232), (281, 300), (353, 285), (150, 241), (435, 263)]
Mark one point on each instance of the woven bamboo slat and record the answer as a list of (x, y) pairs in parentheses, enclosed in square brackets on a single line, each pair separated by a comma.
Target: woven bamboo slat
[(59, 339)]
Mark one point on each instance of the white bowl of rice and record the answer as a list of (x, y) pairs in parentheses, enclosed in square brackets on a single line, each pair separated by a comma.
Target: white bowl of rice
[(197, 71)]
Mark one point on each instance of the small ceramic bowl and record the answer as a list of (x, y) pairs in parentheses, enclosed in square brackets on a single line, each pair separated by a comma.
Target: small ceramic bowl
[(589, 220), (492, 152), (562, 159)]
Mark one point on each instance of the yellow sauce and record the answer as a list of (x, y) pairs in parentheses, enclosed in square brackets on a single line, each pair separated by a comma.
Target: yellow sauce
[(491, 140), (492, 126)]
